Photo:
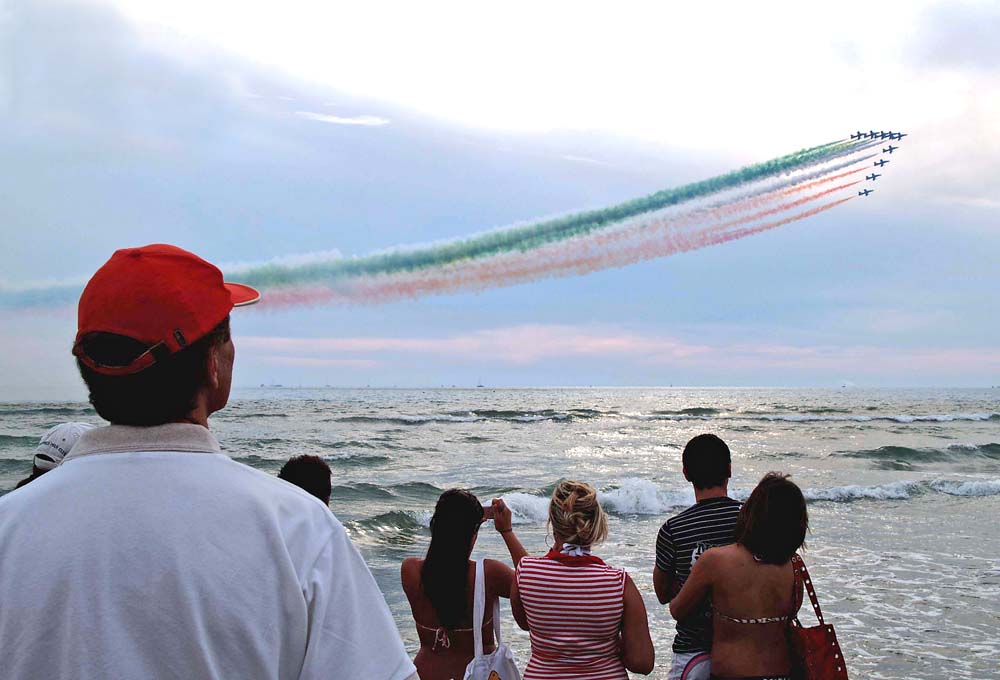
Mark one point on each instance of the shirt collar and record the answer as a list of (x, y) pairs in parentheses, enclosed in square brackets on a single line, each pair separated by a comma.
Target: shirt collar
[(182, 437)]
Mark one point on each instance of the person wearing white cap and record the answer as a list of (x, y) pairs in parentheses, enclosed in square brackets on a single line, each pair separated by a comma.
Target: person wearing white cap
[(53, 447)]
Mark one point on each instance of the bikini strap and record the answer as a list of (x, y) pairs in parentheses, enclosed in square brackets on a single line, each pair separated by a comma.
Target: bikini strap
[(800, 572)]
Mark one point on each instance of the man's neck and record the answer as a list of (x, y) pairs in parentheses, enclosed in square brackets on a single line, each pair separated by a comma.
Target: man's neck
[(197, 416), (711, 492)]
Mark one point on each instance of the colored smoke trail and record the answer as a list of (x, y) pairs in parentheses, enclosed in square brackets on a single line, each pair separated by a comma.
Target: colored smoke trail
[(696, 215), (526, 237), (657, 237)]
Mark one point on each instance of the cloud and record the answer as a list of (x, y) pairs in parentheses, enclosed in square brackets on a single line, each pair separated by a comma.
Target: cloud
[(959, 35), (520, 344), (366, 120)]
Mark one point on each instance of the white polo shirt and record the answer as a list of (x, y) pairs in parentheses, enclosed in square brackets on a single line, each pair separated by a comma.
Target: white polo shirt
[(150, 554)]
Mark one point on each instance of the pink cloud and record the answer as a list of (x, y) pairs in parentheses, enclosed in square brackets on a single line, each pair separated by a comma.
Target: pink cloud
[(523, 344), (533, 343)]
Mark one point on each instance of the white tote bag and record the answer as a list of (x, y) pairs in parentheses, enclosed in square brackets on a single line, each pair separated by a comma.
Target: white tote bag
[(500, 665)]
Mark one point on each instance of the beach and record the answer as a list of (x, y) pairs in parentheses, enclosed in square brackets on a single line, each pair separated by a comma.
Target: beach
[(903, 488)]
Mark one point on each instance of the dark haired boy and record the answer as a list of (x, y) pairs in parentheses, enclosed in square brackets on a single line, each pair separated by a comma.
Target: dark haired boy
[(161, 556), (309, 473), (710, 522)]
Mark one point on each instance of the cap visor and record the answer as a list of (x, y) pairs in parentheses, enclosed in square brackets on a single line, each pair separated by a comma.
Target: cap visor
[(242, 295)]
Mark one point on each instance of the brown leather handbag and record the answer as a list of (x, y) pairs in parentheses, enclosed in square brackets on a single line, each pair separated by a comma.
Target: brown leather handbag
[(815, 651)]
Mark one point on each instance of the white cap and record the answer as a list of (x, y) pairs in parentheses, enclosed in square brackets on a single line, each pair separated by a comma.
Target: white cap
[(56, 443)]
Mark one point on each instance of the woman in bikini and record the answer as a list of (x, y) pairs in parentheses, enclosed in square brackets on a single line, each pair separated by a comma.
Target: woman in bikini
[(751, 584), (440, 586)]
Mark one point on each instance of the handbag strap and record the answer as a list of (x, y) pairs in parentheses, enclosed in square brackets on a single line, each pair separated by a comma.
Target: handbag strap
[(478, 607), (800, 572)]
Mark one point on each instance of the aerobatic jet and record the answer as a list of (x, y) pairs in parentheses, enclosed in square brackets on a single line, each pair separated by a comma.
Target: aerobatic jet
[(899, 135), (880, 163), (890, 149), (873, 176), (866, 192), (885, 135), (872, 134), (859, 135)]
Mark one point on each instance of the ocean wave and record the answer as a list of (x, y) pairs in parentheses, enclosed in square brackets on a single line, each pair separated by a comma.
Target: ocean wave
[(694, 411), (392, 521), (226, 415), (853, 492), (631, 496), (19, 465), (409, 420), (635, 496), (349, 460), (810, 417), (335, 460), (906, 456), (18, 440), (349, 444), (359, 491), (640, 497), (526, 508), (480, 415), (22, 410), (697, 413), (970, 488)]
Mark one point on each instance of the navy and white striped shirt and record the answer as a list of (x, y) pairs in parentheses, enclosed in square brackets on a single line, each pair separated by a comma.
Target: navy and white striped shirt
[(681, 541)]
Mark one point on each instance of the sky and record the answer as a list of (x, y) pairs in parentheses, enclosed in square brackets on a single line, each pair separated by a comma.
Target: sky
[(251, 131)]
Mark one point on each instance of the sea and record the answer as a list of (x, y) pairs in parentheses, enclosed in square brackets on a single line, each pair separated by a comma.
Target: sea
[(903, 489)]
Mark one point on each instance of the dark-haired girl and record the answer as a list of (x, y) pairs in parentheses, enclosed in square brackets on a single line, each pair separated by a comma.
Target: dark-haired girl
[(750, 584), (440, 586)]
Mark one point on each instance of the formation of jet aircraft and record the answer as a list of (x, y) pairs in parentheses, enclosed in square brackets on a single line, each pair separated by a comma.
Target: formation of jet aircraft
[(881, 134), (873, 135)]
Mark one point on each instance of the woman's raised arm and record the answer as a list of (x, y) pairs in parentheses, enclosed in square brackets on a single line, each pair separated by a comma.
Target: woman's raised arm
[(503, 523)]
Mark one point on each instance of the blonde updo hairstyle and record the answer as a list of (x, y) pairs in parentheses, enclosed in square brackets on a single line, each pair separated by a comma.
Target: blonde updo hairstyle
[(575, 514)]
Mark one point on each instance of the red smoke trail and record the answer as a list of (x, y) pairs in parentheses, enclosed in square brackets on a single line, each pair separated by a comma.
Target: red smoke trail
[(756, 201), (819, 182), (781, 208), (583, 256)]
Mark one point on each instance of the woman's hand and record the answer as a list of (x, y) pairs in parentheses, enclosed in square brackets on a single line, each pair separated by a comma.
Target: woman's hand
[(502, 523), (502, 517)]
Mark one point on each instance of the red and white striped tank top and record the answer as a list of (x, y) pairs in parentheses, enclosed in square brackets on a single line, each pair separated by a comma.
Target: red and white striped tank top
[(574, 607)]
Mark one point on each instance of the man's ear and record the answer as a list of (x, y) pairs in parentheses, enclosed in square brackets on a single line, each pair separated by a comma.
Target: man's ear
[(729, 474), (685, 471), (212, 367)]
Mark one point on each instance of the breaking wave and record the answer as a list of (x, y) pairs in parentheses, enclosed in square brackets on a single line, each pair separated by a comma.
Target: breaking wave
[(903, 457), (638, 497), (635, 496)]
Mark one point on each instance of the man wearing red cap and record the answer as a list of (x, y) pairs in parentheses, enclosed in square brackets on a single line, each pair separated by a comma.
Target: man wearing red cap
[(161, 557)]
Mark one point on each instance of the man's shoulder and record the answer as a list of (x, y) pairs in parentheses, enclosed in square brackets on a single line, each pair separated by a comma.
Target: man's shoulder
[(269, 488), (722, 507)]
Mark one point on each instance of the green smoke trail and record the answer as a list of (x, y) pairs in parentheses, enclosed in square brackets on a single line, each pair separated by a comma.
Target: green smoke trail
[(531, 236)]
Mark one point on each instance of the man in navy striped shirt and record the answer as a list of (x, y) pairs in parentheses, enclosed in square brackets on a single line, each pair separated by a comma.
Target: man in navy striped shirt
[(708, 523)]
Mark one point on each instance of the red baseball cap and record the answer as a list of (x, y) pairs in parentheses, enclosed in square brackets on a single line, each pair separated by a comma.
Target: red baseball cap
[(159, 295)]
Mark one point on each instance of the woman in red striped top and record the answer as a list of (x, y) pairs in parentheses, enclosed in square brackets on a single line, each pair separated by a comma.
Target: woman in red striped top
[(587, 619)]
